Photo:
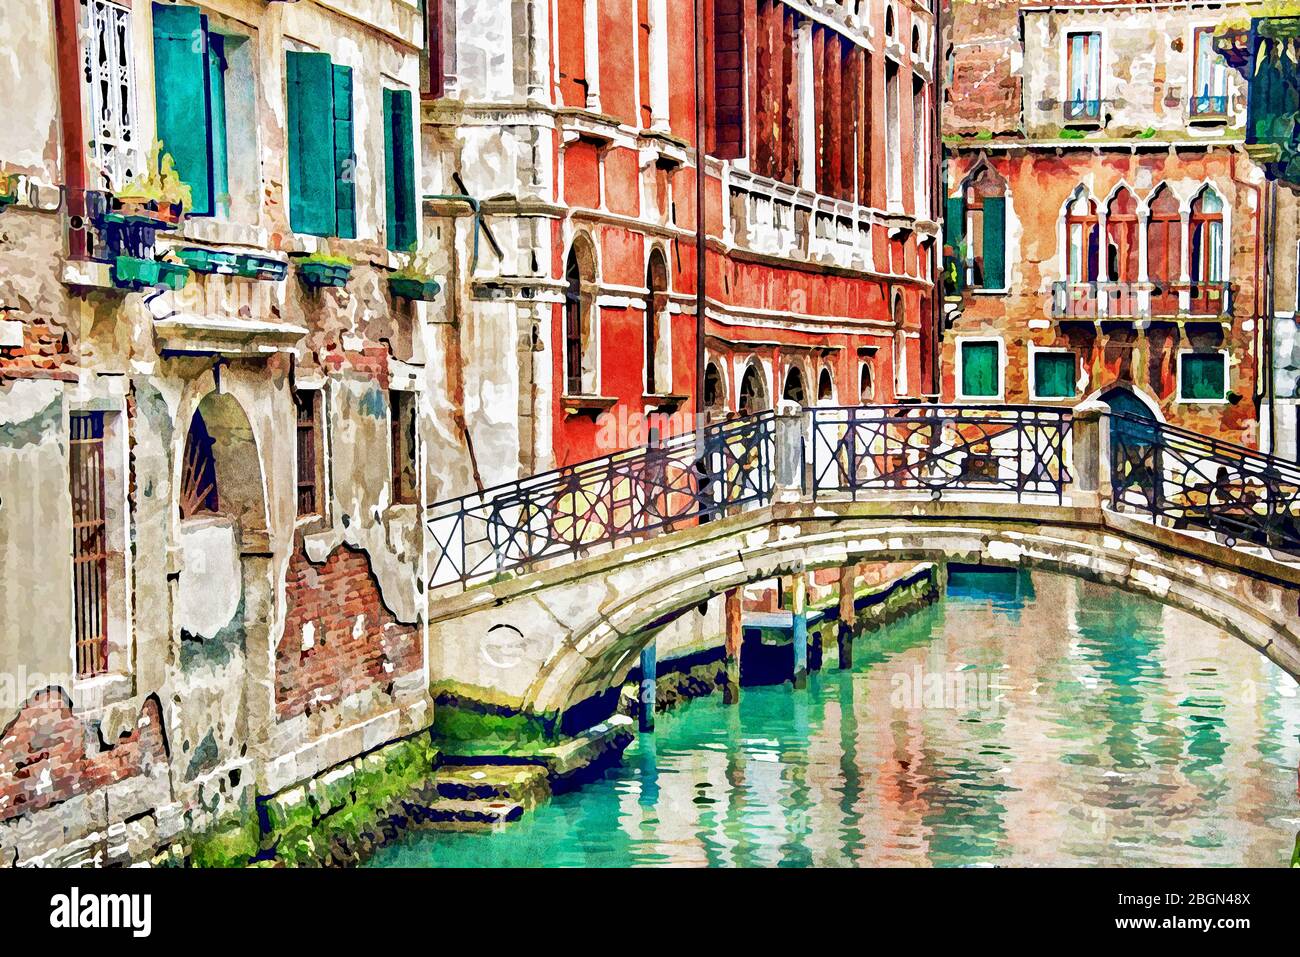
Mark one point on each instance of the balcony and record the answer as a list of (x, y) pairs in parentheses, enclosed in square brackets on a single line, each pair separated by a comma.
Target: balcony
[(1136, 301), (1082, 111), (1207, 107)]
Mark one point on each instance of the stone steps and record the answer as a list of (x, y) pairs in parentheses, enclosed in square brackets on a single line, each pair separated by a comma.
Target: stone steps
[(453, 811), (521, 784)]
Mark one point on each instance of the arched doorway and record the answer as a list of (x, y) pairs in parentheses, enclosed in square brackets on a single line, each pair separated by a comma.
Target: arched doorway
[(753, 391), (1135, 455)]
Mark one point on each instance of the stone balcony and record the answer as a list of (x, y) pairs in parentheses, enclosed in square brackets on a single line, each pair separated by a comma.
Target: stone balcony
[(1140, 301)]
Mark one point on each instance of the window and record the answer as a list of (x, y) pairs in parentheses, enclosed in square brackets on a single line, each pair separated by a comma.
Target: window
[(893, 143), (1081, 238), (753, 391), (579, 320), (1164, 251), (866, 384), (199, 492), (838, 83), (205, 100), (406, 474), (322, 164), (1055, 374), (825, 388), (1122, 254), (431, 60), (794, 388), (714, 391), (900, 348), (1083, 97), (920, 149), (728, 127), (658, 337), (310, 459), (108, 90), (1202, 377), (399, 169), (1209, 77), (89, 543), (776, 151), (977, 220), (1205, 234), (980, 368)]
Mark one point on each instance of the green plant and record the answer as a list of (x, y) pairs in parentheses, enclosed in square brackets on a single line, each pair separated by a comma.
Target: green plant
[(1148, 133), (1072, 134), (325, 259), (415, 266), (159, 182), (984, 135)]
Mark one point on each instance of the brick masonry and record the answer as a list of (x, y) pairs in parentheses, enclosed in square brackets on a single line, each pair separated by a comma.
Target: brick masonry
[(339, 639), (49, 755)]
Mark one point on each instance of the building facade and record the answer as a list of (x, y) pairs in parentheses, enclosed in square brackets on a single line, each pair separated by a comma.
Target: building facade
[(210, 466), (1103, 219)]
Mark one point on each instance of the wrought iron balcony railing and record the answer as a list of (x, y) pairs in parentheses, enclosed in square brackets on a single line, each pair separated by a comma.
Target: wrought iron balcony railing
[(1206, 105), (1081, 110)]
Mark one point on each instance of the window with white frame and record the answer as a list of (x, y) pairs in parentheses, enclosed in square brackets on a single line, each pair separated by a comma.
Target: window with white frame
[(979, 368), (1209, 76), (1083, 94), (108, 93), (1054, 373), (1202, 376)]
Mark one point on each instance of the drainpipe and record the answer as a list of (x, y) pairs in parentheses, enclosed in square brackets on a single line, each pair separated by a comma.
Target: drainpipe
[(1270, 291), (1260, 211), (937, 194), (700, 235)]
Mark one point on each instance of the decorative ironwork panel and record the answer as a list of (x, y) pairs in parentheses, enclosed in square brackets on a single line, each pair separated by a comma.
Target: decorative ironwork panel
[(1194, 481), (683, 481), (937, 449), (108, 84)]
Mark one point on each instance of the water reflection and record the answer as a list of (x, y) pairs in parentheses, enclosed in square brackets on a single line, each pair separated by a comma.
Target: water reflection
[(1039, 720)]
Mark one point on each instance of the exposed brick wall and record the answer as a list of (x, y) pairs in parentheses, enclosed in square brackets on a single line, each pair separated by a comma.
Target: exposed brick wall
[(338, 636), (48, 754), (45, 352)]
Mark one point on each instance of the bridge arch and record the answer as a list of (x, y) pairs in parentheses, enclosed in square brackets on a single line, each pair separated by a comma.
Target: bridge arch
[(605, 633)]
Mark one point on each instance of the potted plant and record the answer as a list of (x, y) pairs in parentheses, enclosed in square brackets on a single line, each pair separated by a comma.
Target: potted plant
[(157, 197), (324, 269), (135, 272), (205, 260), (8, 189), (414, 279), (258, 266)]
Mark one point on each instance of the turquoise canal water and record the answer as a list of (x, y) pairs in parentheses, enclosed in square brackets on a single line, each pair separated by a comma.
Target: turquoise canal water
[(1021, 720)]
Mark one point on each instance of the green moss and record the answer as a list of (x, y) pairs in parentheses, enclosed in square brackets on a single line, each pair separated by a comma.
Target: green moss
[(465, 726), (1073, 134), (233, 845)]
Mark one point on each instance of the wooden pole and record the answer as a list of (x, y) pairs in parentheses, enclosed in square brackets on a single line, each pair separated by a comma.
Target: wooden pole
[(799, 609), (647, 717), (734, 637), (848, 615)]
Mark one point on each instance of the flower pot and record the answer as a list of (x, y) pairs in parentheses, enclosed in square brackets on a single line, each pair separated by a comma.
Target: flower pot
[(136, 210), (132, 272), (407, 287), (319, 274), (208, 260), (253, 266)]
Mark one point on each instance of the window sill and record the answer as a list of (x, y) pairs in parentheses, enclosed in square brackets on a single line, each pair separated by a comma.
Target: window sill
[(592, 405), (1004, 291), (1208, 119), (664, 400), (222, 232), (1182, 401), (90, 695)]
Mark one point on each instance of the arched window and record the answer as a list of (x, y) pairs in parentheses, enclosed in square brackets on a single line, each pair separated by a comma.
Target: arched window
[(900, 347), (916, 41), (1081, 237), (579, 324), (982, 221), (1122, 237), (658, 341), (1164, 251), (753, 391), (1206, 235), (866, 384), (198, 471), (713, 387), (794, 388), (825, 388), (889, 21)]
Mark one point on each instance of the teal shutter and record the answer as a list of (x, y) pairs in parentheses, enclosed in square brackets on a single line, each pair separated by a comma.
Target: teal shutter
[(1054, 375), (399, 169), (181, 98), (1203, 376), (979, 369), (217, 112), (954, 231), (310, 84), (345, 163), (995, 242)]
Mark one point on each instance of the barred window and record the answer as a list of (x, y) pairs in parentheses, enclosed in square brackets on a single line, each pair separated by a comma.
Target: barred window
[(89, 543), (307, 403), (108, 89)]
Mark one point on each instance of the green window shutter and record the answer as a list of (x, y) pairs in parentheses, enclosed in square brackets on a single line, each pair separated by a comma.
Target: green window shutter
[(995, 242), (1055, 375), (399, 169), (310, 84), (979, 370), (954, 232), (180, 40), (217, 101), (1203, 376), (345, 162)]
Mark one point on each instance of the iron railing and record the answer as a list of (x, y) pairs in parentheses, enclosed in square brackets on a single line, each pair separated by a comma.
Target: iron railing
[(1193, 481), (631, 495), (936, 449), (1140, 300)]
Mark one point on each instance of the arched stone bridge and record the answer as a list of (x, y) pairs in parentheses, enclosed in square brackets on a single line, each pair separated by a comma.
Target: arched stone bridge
[(1194, 523)]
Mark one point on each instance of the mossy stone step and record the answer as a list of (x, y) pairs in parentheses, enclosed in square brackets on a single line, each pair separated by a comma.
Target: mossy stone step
[(523, 784), (452, 811)]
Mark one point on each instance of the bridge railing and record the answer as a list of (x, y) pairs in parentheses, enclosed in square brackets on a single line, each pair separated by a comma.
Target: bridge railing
[(937, 449), (1193, 481), (626, 496)]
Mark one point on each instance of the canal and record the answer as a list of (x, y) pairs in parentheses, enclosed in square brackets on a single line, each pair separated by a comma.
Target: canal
[(1021, 720)]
